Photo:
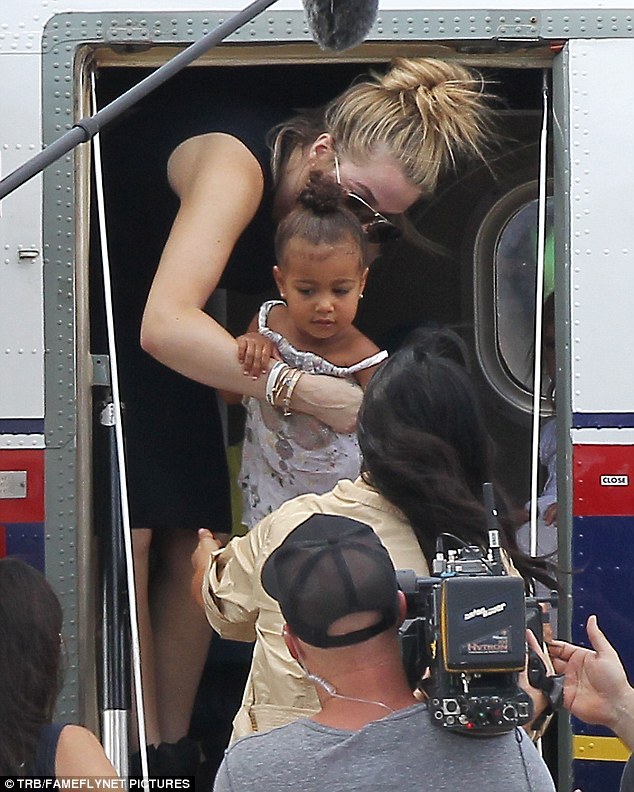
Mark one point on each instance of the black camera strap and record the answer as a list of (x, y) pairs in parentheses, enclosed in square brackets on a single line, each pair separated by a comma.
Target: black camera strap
[(552, 686)]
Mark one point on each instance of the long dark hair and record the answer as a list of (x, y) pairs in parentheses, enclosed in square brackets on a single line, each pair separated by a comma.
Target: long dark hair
[(30, 660), (426, 449)]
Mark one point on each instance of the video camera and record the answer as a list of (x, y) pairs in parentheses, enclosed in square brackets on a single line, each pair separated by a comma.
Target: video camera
[(466, 625)]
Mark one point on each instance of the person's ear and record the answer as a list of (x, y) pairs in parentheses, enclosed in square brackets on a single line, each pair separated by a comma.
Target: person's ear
[(321, 147), (291, 644), (364, 277), (278, 275)]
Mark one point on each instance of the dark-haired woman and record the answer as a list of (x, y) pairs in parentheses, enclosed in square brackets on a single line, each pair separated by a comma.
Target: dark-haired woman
[(425, 457), (426, 448), (31, 744)]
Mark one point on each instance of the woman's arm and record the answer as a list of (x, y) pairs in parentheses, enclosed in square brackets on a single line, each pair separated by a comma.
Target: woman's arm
[(220, 184), (231, 397), (80, 755), (223, 582)]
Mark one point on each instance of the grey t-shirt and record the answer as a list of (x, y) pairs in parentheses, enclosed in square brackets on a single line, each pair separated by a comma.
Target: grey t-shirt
[(403, 751), (627, 782)]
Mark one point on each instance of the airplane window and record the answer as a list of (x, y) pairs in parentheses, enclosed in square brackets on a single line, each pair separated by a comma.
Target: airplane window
[(505, 251), (515, 266)]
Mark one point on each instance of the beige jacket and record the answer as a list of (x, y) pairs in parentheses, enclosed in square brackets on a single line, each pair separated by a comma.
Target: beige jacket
[(238, 608)]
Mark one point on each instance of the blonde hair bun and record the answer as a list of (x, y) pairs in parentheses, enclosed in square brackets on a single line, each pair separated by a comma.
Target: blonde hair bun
[(427, 113)]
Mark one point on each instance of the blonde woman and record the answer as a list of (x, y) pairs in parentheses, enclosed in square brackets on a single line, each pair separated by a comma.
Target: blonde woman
[(392, 135)]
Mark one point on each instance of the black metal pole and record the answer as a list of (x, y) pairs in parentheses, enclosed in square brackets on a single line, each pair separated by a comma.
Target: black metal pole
[(115, 693), (86, 128), (115, 688)]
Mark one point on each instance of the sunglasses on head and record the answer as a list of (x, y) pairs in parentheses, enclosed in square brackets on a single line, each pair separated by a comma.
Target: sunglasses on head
[(376, 226)]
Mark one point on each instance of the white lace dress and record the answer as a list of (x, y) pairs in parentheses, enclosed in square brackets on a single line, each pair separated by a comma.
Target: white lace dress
[(283, 457)]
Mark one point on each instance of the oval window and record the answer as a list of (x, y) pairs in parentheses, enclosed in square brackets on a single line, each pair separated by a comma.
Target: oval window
[(515, 264), (505, 275)]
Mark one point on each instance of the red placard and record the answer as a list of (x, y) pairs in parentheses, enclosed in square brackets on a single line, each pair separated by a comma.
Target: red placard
[(603, 480), (30, 508)]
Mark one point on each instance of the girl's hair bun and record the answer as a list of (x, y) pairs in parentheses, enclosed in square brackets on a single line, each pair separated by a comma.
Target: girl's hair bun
[(321, 217), (321, 195)]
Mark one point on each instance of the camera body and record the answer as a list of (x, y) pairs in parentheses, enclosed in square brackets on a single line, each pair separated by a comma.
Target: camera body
[(467, 626)]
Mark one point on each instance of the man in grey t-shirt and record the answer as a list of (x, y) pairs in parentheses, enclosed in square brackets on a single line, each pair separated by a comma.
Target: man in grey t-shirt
[(337, 589)]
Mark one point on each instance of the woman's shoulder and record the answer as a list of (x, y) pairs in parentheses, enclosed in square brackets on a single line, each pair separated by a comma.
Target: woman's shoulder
[(79, 753), (212, 155), (207, 143)]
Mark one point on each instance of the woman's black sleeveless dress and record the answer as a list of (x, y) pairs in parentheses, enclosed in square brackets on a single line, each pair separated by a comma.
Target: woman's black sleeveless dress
[(175, 455)]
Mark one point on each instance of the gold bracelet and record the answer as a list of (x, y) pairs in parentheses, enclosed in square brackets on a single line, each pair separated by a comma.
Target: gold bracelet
[(291, 385), (281, 386)]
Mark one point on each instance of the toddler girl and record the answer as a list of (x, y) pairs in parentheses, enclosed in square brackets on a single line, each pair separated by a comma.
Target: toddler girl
[(321, 250)]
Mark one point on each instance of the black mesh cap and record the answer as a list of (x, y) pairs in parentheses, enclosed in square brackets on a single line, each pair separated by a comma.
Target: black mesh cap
[(327, 568)]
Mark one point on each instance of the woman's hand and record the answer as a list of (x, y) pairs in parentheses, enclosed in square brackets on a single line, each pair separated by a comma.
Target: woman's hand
[(550, 515), (200, 559)]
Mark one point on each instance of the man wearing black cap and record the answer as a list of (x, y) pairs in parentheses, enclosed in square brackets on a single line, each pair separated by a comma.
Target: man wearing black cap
[(336, 587)]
